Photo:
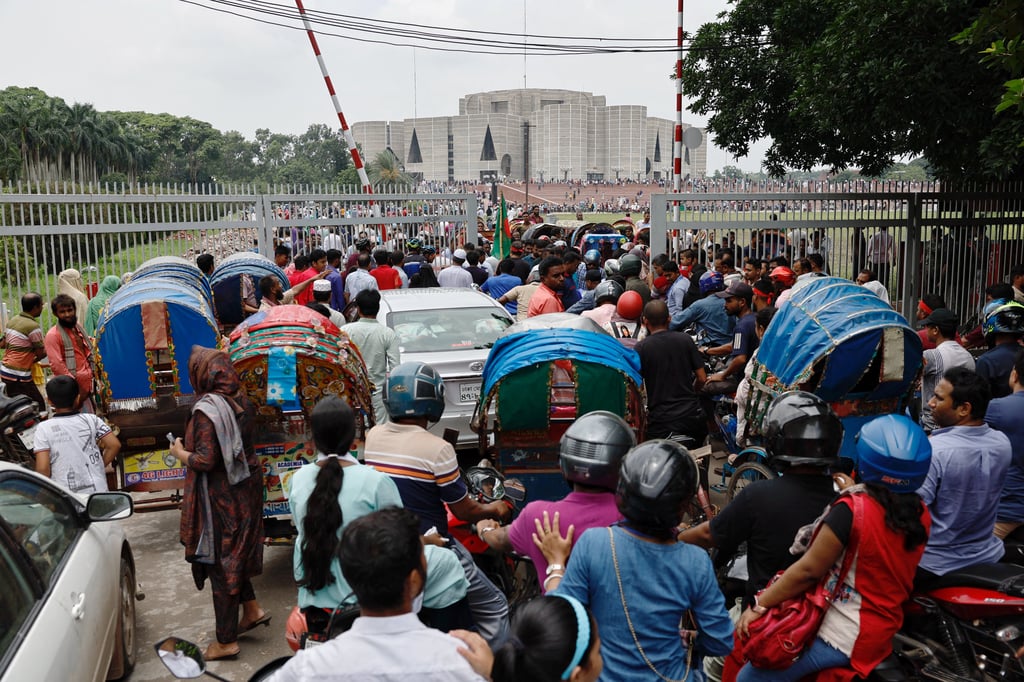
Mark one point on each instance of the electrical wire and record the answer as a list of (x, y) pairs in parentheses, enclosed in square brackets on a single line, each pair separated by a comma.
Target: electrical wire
[(466, 38)]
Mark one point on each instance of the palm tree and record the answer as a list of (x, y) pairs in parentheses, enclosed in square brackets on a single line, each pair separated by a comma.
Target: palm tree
[(385, 169)]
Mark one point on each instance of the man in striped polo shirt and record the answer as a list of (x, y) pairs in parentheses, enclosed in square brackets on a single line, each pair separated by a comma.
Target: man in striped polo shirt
[(23, 344), (426, 471)]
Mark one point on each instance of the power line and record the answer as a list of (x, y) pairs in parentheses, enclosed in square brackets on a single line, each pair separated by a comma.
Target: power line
[(423, 39)]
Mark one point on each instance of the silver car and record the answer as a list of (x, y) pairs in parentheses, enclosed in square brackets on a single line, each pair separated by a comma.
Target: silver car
[(68, 577), (452, 330)]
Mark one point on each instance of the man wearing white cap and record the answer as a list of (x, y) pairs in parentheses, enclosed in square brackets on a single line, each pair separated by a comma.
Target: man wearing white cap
[(455, 275), (322, 289)]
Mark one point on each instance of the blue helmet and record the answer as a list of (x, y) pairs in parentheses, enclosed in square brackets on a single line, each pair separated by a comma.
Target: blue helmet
[(429, 250), (414, 244), (1003, 317), (893, 452), (592, 257), (711, 281), (414, 389)]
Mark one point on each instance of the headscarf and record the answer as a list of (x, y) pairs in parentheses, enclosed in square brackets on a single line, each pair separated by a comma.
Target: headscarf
[(210, 371), (109, 285), (70, 282)]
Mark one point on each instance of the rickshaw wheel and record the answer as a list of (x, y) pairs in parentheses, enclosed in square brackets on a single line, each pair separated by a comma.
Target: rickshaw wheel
[(745, 474)]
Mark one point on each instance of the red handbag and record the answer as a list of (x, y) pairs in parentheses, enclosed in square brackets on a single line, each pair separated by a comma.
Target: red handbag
[(780, 636)]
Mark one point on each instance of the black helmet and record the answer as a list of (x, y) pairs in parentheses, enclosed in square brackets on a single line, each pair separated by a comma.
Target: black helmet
[(657, 479), (607, 291), (593, 447), (800, 428)]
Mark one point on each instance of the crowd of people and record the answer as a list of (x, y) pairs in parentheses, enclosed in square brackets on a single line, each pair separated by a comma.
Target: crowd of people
[(932, 492)]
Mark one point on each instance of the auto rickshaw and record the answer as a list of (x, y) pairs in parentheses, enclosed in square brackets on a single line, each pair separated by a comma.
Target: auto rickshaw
[(144, 336), (288, 358), (538, 382), (841, 342), (236, 278)]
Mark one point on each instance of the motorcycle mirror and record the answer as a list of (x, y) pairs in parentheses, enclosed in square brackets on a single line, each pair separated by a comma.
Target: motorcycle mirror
[(181, 657)]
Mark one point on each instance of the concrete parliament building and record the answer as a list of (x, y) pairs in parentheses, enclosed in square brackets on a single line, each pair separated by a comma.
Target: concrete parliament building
[(570, 135)]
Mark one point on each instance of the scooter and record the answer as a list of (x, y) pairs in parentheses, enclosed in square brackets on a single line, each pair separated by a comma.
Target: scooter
[(184, 660), (18, 418), (969, 626)]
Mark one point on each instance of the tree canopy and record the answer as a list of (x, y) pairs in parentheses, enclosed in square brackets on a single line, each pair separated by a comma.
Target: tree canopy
[(853, 83), (43, 139)]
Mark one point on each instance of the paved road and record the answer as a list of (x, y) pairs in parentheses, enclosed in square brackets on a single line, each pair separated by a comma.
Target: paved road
[(174, 606)]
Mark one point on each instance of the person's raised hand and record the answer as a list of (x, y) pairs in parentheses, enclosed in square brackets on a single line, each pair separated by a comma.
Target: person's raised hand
[(549, 540)]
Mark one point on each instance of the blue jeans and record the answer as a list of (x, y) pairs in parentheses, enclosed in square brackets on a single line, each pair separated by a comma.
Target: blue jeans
[(486, 602), (820, 656)]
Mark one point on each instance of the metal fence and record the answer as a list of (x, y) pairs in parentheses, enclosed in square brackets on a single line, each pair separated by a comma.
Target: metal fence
[(931, 240), (111, 230)]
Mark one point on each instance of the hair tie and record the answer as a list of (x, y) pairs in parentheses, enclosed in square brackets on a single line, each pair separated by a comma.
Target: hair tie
[(924, 307), (347, 457), (582, 633)]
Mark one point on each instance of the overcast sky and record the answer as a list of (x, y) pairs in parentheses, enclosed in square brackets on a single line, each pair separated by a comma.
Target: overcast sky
[(171, 56)]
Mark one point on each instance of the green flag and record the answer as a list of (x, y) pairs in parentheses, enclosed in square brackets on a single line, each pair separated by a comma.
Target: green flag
[(502, 245)]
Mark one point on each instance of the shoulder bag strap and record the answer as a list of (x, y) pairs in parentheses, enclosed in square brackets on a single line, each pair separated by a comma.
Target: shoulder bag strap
[(852, 545)]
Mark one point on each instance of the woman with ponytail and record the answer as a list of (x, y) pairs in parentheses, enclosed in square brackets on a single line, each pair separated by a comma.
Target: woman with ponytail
[(325, 495), (328, 494)]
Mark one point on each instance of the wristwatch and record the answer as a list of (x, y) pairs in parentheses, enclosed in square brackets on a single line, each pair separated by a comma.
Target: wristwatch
[(554, 567)]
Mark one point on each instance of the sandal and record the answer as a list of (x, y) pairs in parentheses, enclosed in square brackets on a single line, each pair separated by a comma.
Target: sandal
[(222, 655), (262, 620)]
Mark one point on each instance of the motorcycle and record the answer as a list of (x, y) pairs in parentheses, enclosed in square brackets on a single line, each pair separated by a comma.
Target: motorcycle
[(969, 626), (18, 419), (512, 573), (185, 661)]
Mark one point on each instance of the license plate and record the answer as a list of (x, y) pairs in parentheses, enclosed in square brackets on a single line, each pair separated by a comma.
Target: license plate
[(28, 437), (469, 392)]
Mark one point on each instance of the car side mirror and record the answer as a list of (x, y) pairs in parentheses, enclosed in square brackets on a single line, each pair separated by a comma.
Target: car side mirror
[(109, 506), (181, 657)]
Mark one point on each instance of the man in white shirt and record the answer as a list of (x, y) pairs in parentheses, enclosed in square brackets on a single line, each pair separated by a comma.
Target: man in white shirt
[(941, 326), (455, 275), (333, 240), (378, 344), (382, 559), (360, 278)]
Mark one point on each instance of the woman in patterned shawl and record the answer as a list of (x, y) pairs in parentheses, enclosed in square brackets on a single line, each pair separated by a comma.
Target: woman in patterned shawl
[(221, 513)]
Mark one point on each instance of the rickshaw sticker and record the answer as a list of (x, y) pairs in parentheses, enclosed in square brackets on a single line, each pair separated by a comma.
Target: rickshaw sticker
[(276, 508)]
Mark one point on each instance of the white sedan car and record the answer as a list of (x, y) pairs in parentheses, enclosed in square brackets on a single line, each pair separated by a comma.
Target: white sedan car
[(452, 330), (67, 603)]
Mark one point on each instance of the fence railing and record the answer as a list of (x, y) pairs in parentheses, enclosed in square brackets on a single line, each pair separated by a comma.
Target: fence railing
[(112, 230), (951, 243)]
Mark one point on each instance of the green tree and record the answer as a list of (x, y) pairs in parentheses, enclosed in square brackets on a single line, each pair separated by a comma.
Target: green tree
[(852, 83), (385, 170), (999, 33)]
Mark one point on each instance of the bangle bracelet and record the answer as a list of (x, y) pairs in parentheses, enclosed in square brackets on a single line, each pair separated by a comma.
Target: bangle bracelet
[(554, 567), (486, 530), (552, 577)]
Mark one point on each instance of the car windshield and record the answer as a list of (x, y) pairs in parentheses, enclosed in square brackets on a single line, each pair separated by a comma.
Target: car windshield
[(435, 330)]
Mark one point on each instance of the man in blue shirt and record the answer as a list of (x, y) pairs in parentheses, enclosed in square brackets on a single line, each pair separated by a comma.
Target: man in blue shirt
[(678, 286), (1004, 414), (738, 298), (1004, 326), (504, 281), (707, 314), (969, 464), (337, 280)]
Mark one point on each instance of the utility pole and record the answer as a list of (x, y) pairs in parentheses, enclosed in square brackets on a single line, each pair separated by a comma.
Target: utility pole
[(526, 161)]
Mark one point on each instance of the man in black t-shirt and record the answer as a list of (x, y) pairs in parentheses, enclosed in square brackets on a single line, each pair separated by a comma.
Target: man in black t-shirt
[(673, 374), (804, 435)]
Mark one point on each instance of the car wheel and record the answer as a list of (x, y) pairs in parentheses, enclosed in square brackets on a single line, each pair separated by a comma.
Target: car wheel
[(125, 645)]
